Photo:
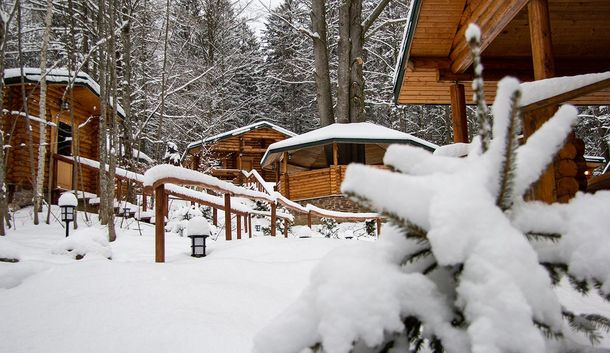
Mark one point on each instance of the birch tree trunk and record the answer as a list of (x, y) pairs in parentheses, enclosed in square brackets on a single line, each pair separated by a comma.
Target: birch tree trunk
[(114, 146), (322, 74), (28, 125), (42, 111)]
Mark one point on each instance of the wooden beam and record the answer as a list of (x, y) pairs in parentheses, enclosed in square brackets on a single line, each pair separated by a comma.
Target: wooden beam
[(458, 113), (165, 204), (309, 219), (215, 216), (227, 216), (544, 67), (566, 96), (159, 224), (540, 38), (238, 226), (492, 17), (246, 219), (273, 218)]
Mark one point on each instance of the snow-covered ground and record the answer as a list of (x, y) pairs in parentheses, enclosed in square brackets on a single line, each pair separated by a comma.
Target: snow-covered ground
[(50, 302)]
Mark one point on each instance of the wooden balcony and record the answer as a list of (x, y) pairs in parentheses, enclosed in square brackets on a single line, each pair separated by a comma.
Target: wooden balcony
[(314, 183)]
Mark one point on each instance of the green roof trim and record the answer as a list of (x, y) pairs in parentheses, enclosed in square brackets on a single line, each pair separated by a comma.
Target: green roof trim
[(406, 47)]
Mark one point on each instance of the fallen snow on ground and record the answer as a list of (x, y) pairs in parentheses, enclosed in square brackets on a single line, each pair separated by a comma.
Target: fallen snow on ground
[(50, 302)]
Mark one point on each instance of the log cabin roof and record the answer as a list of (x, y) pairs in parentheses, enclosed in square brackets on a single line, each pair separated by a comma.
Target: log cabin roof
[(308, 148), (434, 53), (60, 76), (239, 131)]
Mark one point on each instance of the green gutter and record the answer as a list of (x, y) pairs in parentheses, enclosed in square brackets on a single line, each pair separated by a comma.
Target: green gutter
[(406, 48), (342, 140)]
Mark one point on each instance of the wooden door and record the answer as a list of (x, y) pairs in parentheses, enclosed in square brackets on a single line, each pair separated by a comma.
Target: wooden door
[(64, 175), (247, 164)]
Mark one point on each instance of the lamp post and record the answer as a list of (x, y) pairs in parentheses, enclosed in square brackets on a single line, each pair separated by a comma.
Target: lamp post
[(67, 203), (198, 230)]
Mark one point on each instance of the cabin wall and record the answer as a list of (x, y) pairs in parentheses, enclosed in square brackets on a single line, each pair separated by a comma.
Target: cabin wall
[(243, 151), (20, 174)]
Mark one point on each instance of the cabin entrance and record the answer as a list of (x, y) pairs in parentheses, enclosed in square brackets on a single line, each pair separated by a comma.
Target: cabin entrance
[(64, 148)]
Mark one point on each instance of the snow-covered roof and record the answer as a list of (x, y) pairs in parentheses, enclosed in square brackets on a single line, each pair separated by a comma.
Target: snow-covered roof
[(241, 130), (33, 75), (543, 90), (360, 133)]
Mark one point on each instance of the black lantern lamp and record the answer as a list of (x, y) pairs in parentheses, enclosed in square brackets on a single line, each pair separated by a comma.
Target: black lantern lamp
[(198, 230), (67, 203)]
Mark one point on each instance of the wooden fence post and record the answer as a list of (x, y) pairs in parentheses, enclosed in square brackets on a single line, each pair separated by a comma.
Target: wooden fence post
[(144, 201), (227, 216), (309, 219), (160, 223), (285, 228), (214, 216), (249, 225), (378, 221), (238, 226), (273, 218)]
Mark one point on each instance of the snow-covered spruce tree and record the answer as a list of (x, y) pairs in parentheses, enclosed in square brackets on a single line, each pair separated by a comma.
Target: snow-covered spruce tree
[(467, 265)]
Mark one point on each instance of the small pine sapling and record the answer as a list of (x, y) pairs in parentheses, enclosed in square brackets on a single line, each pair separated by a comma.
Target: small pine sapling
[(467, 265), (329, 227)]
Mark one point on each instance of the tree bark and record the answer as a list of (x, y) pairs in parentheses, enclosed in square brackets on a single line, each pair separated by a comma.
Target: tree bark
[(322, 72), (343, 63), (42, 112), (356, 63)]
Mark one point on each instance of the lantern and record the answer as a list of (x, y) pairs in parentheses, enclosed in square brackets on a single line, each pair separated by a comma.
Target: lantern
[(67, 204), (198, 230)]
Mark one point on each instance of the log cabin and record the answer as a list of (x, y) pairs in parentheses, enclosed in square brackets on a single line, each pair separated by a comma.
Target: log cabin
[(529, 39), (225, 155), (64, 137), (309, 168)]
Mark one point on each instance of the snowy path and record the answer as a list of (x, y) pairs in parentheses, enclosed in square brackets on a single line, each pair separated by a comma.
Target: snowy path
[(131, 304)]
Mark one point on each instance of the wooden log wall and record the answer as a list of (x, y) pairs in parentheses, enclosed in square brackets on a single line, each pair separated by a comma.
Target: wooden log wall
[(570, 167), (19, 171), (237, 152)]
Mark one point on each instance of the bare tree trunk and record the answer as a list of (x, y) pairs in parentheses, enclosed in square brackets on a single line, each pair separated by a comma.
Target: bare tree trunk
[(322, 74), (24, 99), (103, 151), (356, 95), (4, 22), (42, 111), (126, 88), (75, 131), (343, 65), (161, 146), (112, 158)]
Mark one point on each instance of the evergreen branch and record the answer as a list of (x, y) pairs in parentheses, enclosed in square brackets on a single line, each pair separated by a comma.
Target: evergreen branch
[(482, 112), (581, 286), (418, 255), (411, 230), (430, 268), (509, 165), (555, 270), (537, 236), (547, 331), (587, 324), (436, 345)]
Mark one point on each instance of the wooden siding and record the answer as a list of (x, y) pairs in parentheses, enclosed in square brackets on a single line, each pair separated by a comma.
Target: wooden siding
[(240, 151), (19, 171)]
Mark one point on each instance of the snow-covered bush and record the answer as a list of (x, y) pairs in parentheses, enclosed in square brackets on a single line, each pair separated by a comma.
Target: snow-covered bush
[(329, 227), (87, 241), (179, 218), (468, 265)]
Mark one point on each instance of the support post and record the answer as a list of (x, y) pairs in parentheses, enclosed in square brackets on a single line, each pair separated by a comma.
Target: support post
[(309, 219), (144, 201), (214, 216), (335, 154), (119, 190), (160, 224), (378, 221), (544, 67), (458, 113), (227, 216), (273, 218), (249, 225), (238, 226), (166, 205), (246, 223)]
